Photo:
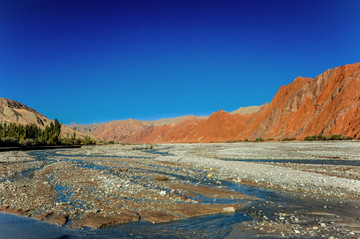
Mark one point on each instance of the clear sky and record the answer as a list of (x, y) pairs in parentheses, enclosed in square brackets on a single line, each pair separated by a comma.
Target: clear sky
[(90, 61)]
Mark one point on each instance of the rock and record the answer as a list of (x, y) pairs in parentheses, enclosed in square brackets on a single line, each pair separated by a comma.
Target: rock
[(161, 178), (157, 216), (228, 209), (190, 210), (96, 221), (162, 193), (43, 216), (59, 220)]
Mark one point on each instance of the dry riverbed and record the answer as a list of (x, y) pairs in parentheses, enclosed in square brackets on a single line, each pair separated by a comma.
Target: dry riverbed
[(102, 186)]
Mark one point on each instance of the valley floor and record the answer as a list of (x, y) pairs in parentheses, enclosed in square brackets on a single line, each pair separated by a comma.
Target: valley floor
[(305, 189)]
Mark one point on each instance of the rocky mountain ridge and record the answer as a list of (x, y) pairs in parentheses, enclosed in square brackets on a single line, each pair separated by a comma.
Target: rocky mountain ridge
[(135, 131), (329, 104), (12, 111)]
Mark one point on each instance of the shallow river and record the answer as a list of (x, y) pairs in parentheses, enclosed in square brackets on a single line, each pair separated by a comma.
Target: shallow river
[(307, 210)]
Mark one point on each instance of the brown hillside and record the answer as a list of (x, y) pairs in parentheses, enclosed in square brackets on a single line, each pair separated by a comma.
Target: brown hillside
[(14, 112)]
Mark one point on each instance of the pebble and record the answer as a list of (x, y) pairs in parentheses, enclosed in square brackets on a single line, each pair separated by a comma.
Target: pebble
[(229, 209), (287, 227)]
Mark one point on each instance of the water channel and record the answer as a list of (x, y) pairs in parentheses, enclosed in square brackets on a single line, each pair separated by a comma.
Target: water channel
[(268, 205)]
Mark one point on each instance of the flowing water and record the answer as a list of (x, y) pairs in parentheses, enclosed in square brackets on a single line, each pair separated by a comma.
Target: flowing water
[(269, 204)]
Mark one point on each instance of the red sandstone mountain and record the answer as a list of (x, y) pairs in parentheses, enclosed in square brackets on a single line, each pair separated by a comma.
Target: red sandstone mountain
[(218, 127), (171, 129), (121, 130), (328, 104)]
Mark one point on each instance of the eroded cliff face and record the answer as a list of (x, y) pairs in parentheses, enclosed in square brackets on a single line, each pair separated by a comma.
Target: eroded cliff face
[(218, 127), (119, 130), (327, 104)]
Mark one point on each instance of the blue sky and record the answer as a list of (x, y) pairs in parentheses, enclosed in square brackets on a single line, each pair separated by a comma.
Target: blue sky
[(96, 61)]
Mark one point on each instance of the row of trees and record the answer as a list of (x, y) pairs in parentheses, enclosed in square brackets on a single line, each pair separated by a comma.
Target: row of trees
[(12, 134), (321, 137)]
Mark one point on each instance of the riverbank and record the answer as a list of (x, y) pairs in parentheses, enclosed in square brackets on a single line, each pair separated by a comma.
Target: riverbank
[(102, 186), (29, 148)]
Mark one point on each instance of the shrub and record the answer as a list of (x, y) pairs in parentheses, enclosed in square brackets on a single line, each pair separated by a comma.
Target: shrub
[(87, 141), (332, 137), (28, 142), (314, 137), (289, 139), (259, 139), (9, 141)]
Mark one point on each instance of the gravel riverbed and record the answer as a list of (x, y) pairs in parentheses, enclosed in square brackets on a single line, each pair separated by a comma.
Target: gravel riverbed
[(102, 186)]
